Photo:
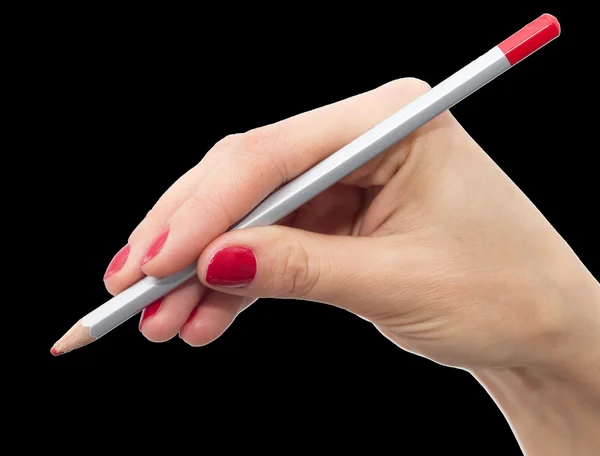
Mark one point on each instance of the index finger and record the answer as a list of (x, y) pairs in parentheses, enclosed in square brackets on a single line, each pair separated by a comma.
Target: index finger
[(253, 164)]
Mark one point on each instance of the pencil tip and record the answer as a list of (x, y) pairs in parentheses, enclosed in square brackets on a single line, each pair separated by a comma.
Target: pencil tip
[(74, 338)]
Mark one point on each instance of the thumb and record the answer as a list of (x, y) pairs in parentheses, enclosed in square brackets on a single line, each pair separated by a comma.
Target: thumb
[(277, 261)]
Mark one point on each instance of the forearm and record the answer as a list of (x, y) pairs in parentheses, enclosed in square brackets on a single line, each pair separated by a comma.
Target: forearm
[(548, 416), (555, 409)]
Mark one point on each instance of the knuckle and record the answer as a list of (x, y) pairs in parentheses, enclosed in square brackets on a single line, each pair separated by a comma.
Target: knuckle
[(253, 141), (212, 205), (258, 140), (197, 201), (263, 145), (261, 151), (227, 142), (297, 272)]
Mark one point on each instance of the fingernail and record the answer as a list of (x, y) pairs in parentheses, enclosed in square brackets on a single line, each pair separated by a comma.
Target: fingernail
[(55, 352), (150, 311), (117, 262), (231, 267), (156, 245)]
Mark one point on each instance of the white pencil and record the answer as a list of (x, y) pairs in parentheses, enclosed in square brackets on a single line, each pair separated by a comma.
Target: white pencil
[(322, 176)]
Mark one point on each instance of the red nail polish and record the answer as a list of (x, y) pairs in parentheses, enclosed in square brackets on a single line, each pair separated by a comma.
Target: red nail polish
[(117, 262), (192, 314), (231, 267), (156, 245), (150, 311), (55, 352)]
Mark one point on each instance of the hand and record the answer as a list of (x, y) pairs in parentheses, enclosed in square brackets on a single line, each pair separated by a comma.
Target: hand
[(430, 241)]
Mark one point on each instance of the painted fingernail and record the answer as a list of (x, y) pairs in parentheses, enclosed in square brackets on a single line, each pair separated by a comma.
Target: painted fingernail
[(231, 267), (118, 261), (156, 245), (55, 352), (150, 311)]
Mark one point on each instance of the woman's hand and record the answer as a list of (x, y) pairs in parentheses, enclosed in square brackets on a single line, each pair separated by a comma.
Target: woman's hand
[(430, 241)]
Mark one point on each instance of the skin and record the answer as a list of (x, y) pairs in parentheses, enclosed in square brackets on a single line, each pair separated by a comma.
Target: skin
[(431, 242)]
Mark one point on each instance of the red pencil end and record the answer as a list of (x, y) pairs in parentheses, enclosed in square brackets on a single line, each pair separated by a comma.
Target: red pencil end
[(530, 38), (55, 352)]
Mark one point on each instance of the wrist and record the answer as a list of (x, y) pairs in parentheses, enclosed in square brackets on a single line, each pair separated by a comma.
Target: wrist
[(548, 415), (553, 403), (574, 357)]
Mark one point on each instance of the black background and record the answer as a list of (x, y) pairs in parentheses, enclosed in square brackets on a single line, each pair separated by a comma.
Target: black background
[(129, 100)]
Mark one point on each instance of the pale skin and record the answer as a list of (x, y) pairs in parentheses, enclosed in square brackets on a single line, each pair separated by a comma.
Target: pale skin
[(431, 242)]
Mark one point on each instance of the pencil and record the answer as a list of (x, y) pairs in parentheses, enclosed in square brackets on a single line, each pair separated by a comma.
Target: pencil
[(326, 173)]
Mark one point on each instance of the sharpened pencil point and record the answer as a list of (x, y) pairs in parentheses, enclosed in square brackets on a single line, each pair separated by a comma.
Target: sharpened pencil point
[(74, 338)]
